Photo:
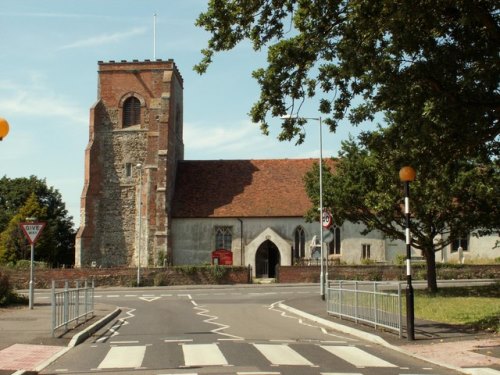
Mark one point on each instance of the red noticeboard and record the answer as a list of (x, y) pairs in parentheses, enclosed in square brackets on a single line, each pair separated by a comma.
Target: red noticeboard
[(222, 257), (32, 231)]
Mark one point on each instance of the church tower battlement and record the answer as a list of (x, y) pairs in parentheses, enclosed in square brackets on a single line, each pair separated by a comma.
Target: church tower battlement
[(135, 141)]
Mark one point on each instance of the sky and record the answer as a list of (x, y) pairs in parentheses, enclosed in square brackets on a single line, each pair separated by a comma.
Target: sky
[(48, 82)]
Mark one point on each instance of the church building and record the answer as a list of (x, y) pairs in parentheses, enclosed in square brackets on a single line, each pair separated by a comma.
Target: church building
[(143, 204)]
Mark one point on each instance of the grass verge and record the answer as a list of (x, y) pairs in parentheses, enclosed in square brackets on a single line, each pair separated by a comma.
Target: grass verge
[(477, 307)]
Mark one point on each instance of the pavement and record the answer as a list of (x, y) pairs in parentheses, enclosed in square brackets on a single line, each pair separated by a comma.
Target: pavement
[(27, 345)]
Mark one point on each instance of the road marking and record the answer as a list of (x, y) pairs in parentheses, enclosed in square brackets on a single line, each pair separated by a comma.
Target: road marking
[(357, 357), (282, 355), (130, 295), (178, 340), (124, 342), (282, 341), (341, 373), (276, 307), (257, 373), (114, 328), (166, 295), (211, 320), (149, 299), (113, 296), (123, 357), (203, 355)]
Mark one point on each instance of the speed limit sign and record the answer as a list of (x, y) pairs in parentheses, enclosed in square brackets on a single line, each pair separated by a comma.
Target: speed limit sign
[(326, 219)]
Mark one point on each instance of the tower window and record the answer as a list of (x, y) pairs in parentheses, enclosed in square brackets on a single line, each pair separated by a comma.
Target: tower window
[(128, 169), (131, 112)]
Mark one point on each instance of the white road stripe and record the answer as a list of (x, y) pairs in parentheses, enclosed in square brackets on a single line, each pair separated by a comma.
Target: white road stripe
[(282, 355), (203, 355), (124, 357), (124, 342), (357, 357)]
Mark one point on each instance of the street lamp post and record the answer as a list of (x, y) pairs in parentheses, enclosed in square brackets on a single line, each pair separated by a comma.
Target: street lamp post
[(406, 175), (322, 273), (139, 167)]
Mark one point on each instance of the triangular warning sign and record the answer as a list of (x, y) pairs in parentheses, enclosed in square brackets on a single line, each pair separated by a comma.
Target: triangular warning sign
[(32, 230)]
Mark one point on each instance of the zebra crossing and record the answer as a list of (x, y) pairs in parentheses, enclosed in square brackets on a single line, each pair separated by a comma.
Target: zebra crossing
[(187, 355)]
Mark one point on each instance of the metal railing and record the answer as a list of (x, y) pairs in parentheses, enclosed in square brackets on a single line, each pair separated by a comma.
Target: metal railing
[(74, 305), (375, 303)]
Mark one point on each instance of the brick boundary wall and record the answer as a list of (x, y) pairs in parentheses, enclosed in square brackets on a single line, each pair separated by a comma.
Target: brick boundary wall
[(126, 277), (310, 274), (191, 275)]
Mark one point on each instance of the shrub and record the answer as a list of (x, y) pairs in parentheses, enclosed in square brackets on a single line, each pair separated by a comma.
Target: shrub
[(5, 288), (7, 295)]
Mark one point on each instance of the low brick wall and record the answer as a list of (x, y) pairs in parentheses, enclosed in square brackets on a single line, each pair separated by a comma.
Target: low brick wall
[(310, 274), (19, 279), (191, 275)]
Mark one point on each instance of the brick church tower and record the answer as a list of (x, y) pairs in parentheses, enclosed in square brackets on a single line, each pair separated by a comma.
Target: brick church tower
[(134, 144)]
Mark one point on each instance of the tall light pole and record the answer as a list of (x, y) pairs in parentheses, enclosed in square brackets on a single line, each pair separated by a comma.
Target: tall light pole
[(139, 167), (322, 273), (406, 175)]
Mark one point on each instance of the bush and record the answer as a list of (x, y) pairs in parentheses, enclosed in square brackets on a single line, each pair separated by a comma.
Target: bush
[(5, 288), (7, 295)]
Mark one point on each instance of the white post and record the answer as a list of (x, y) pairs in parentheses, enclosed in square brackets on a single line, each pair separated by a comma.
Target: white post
[(322, 275), (31, 288)]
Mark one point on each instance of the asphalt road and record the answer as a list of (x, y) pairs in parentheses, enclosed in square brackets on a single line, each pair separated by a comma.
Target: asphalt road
[(231, 330)]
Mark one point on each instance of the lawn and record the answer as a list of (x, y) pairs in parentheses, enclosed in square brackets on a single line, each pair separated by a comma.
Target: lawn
[(478, 307)]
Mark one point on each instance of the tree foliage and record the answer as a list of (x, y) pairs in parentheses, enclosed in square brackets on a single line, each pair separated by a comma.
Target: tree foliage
[(448, 200), (436, 61), (31, 197)]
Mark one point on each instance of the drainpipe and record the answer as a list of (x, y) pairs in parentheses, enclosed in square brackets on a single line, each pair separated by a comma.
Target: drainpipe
[(241, 239)]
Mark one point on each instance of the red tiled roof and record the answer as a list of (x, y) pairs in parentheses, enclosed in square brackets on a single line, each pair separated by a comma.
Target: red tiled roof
[(241, 188)]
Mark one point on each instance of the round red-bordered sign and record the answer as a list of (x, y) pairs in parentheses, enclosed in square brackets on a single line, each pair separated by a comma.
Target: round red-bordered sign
[(326, 219)]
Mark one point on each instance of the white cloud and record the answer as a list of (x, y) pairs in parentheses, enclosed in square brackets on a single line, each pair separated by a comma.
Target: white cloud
[(105, 38), (242, 140), (38, 101)]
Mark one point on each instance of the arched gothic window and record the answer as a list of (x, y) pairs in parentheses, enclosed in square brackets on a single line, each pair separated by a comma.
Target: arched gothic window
[(223, 237), (300, 243), (131, 112), (334, 246)]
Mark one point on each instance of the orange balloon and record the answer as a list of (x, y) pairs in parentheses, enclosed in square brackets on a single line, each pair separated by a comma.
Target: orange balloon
[(4, 128)]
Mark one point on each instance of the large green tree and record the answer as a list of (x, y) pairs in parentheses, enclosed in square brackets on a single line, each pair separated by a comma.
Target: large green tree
[(56, 244), (436, 60), (448, 199), (13, 244)]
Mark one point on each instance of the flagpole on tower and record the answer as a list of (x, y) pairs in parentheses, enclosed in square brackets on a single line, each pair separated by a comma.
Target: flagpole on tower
[(154, 36)]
